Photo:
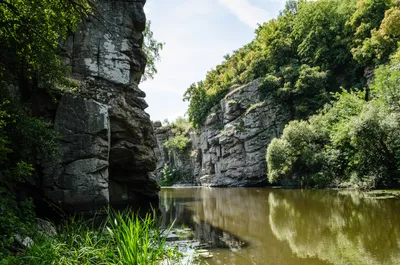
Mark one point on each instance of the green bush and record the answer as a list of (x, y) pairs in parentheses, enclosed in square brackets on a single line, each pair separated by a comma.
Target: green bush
[(23, 139), (16, 218), (352, 142), (180, 126), (179, 143), (170, 176), (297, 158)]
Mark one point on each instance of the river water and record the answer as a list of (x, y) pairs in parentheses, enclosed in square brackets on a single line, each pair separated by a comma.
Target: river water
[(245, 226)]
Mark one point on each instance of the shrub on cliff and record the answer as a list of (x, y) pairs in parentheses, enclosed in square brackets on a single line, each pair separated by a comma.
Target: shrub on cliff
[(179, 143), (180, 126)]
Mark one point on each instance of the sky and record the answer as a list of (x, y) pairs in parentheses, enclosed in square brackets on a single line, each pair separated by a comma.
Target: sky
[(197, 34)]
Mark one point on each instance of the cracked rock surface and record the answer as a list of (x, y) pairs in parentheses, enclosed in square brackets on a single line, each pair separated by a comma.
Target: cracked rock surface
[(107, 138), (233, 141)]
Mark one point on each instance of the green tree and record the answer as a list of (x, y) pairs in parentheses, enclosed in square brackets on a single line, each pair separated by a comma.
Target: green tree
[(376, 25), (151, 48), (30, 32), (319, 27), (301, 88), (351, 142), (30, 54), (298, 157)]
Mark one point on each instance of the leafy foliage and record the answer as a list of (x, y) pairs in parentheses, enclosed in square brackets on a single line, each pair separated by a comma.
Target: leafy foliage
[(30, 33), (170, 176), (180, 126), (351, 142), (15, 218), (311, 49), (22, 138), (151, 48), (179, 143), (376, 24), (123, 238)]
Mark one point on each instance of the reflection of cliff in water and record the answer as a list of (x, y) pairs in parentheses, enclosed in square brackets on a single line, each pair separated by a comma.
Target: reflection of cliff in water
[(242, 212), (337, 227), (175, 211)]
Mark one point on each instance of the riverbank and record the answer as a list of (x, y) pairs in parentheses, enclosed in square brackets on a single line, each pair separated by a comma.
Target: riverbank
[(122, 238)]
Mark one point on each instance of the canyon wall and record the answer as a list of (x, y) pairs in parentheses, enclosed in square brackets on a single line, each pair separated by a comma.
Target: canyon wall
[(234, 139), (229, 149), (107, 138), (184, 162)]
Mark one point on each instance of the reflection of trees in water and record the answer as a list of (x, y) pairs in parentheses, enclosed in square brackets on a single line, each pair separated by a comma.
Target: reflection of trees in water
[(336, 227), (238, 211)]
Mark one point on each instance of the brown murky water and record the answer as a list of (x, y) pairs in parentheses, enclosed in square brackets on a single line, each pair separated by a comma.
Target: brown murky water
[(287, 227)]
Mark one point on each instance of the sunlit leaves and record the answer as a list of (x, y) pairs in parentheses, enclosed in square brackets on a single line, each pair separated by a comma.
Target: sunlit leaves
[(351, 142), (151, 48), (30, 33)]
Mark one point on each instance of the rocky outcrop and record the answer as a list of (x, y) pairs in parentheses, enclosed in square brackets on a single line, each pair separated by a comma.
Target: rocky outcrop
[(232, 143), (229, 149), (183, 162), (107, 139)]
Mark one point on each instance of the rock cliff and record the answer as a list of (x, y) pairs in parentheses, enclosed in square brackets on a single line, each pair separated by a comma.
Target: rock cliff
[(107, 139), (233, 141), (183, 162), (229, 149)]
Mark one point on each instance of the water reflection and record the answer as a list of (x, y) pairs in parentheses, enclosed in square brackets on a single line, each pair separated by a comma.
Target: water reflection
[(288, 227), (337, 227), (174, 211)]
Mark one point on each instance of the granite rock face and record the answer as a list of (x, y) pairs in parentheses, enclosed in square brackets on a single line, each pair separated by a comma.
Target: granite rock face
[(232, 143), (107, 139)]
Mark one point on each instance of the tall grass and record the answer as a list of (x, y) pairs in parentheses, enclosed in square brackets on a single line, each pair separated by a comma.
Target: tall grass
[(136, 241), (122, 239)]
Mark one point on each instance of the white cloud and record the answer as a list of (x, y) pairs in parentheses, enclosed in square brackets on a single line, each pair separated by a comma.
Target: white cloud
[(246, 12)]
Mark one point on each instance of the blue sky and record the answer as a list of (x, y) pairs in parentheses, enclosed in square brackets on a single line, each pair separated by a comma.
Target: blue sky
[(197, 34)]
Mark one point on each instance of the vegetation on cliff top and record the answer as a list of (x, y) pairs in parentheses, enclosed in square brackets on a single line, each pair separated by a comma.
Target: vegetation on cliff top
[(180, 141), (310, 50), (351, 142), (317, 53), (178, 145)]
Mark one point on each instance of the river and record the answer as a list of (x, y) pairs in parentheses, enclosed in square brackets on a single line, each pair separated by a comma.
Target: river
[(244, 226)]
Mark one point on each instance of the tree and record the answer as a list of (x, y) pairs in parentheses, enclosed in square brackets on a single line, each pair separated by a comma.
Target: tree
[(351, 142), (30, 32), (151, 48), (376, 24)]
